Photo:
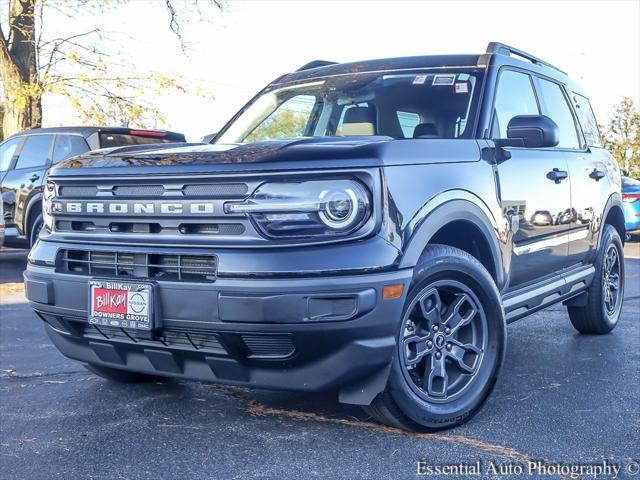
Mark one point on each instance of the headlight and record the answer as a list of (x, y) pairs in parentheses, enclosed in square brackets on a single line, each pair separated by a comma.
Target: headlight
[(306, 209), (49, 193)]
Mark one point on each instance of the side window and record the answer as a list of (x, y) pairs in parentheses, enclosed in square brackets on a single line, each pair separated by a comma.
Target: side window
[(515, 97), (7, 151), (587, 120), (408, 122), (35, 151), (558, 110), (68, 146)]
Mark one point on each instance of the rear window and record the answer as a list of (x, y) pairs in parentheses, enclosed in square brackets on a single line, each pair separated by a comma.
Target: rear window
[(108, 140)]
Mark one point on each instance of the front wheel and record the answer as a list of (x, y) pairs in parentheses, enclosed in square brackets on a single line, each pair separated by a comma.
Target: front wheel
[(34, 230), (451, 344), (602, 310)]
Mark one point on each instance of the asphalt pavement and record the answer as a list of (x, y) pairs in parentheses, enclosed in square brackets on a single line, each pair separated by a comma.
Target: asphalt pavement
[(562, 398)]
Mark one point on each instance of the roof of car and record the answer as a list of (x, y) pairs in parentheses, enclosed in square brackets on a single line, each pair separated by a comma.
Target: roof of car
[(85, 131), (327, 69), (496, 55)]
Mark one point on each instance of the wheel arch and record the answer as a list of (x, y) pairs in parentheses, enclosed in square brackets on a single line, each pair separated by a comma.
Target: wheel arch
[(613, 215), (34, 207), (457, 222)]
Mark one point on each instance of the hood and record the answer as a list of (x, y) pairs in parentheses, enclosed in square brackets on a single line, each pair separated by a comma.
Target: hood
[(298, 154)]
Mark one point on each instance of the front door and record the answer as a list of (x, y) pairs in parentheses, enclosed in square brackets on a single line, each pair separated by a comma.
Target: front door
[(534, 189)]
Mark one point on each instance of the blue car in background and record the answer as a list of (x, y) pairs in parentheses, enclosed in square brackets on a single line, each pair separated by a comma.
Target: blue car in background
[(631, 203)]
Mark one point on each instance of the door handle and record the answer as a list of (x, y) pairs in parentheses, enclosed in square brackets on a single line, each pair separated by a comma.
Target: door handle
[(557, 175), (34, 177), (596, 174)]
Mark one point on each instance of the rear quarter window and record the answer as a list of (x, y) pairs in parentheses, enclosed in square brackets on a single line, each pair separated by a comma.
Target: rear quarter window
[(587, 121), (35, 152)]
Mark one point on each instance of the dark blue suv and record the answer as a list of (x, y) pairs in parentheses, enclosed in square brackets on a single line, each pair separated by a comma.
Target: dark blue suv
[(366, 228)]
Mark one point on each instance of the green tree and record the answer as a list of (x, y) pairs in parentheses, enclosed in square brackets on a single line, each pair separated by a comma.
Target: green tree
[(80, 65), (622, 136), (282, 124)]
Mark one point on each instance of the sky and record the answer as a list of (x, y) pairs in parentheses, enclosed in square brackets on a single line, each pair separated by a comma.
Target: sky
[(239, 51)]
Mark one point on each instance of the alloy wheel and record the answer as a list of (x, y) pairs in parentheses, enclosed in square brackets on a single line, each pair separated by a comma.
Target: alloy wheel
[(443, 340), (611, 280)]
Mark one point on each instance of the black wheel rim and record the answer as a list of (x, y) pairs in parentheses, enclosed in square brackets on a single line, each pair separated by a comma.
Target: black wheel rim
[(443, 340), (611, 280)]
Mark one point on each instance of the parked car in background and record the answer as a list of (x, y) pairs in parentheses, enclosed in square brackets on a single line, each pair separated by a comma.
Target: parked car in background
[(631, 203), (1, 225), (26, 156)]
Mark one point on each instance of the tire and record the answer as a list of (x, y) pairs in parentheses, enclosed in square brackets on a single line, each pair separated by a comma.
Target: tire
[(34, 229), (452, 303), (121, 376), (601, 313)]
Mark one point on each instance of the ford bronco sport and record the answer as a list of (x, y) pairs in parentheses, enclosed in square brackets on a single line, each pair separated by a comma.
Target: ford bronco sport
[(366, 228)]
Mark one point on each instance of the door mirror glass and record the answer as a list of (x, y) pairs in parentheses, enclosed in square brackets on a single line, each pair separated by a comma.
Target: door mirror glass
[(534, 131)]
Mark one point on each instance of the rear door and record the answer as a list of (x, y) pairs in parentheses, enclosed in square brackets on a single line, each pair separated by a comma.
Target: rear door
[(24, 180), (591, 168), (534, 195)]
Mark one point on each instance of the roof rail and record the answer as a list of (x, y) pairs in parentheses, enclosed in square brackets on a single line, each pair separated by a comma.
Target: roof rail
[(315, 64), (503, 49)]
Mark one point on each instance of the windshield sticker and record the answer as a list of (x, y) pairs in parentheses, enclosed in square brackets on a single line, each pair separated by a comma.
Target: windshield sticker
[(419, 79), (463, 77), (443, 79), (462, 87)]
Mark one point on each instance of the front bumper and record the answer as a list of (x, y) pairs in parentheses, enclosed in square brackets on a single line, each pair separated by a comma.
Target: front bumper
[(298, 333)]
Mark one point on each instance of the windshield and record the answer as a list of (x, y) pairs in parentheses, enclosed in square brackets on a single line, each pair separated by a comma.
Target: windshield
[(401, 105)]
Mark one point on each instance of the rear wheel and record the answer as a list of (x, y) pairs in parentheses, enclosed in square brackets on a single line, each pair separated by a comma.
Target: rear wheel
[(121, 376), (451, 344), (602, 310)]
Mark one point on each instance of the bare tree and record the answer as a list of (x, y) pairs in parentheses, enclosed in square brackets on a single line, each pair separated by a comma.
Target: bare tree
[(78, 66)]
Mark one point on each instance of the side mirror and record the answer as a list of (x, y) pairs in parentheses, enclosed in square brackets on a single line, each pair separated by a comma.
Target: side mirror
[(534, 131)]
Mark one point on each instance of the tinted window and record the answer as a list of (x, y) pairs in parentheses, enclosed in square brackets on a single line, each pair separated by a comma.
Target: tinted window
[(68, 146), (515, 97), (108, 140), (587, 120), (557, 108), (7, 151), (35, 151)]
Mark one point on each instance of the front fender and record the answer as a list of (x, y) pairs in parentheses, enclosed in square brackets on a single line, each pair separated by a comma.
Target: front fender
[(450, 206)]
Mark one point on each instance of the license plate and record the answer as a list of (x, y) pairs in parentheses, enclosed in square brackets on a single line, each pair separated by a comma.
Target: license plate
[(121, 304)]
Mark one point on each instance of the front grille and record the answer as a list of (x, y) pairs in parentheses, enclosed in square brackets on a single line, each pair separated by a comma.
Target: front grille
[(138, 190), (212, 190), (81, 191), (201, 342), (268, 346), (195, 268), (216, 190)]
